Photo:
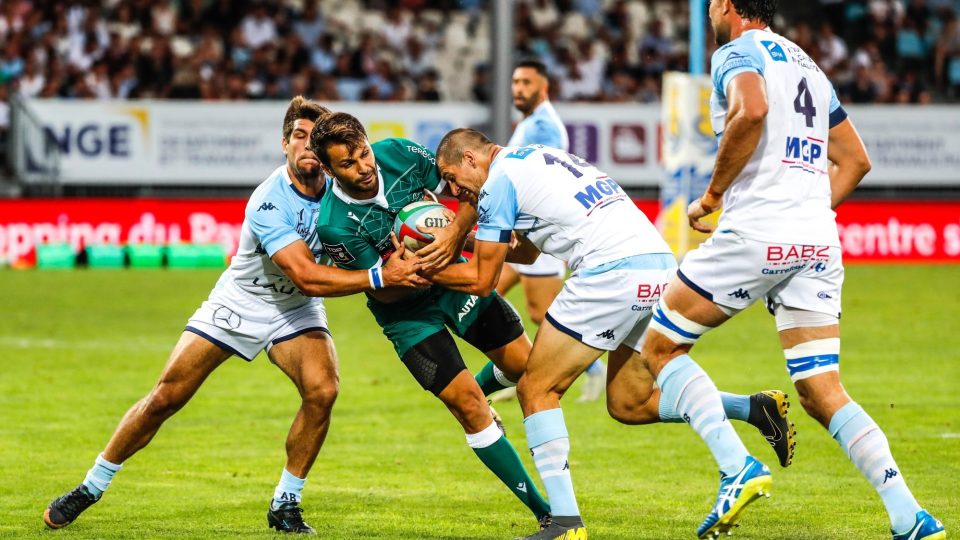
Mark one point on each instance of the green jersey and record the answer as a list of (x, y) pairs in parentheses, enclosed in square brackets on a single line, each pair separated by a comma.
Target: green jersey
[(356, 236)]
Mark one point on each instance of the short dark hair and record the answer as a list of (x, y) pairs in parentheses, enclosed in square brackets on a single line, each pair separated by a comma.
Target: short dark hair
[(537, 65), (756, 10), (301, 108), (336, 128), (452, 145)]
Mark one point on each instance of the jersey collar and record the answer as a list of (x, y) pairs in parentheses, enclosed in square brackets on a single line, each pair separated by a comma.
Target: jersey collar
[(379, 200), (304, 196)]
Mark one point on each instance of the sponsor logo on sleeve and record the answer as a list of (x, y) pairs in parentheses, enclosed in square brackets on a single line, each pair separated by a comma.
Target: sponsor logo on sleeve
[(266, 206)]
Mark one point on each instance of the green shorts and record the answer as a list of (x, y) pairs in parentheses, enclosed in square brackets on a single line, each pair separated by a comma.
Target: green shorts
[(408, 322)]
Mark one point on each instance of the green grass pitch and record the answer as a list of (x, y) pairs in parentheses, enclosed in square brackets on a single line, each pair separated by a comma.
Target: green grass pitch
[(77, 348)]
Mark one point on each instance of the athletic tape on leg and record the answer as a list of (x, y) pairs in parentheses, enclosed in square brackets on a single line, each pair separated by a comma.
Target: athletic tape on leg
[(812, 358), (675, 326)]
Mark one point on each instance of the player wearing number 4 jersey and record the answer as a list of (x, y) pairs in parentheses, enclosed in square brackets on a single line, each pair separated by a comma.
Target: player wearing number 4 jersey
[(556, 203), (788, 156)]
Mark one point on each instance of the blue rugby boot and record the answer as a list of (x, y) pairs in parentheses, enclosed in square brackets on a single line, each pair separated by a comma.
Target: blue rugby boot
[(927, 527), (736, 492)]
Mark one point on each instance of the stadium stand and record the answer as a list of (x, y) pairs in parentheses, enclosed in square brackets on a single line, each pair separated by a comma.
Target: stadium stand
[(876, 51)]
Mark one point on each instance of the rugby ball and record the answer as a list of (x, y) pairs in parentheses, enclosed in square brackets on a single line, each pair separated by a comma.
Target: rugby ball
[(416, 215)]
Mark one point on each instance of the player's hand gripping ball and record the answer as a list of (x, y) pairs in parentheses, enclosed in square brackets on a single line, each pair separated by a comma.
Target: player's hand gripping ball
[(416, 215)]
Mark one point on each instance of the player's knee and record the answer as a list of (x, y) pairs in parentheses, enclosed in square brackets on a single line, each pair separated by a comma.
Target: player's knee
[(322, 395), (162, 402), (537, 313)]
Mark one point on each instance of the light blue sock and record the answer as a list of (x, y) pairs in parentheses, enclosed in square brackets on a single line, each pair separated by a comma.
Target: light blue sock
[(288, 490), (550, 445), (868, 449), (595, 368), (100, 475), (686, 388), (736, 407)]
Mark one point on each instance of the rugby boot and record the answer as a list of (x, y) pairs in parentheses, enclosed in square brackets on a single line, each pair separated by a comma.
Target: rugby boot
[(559, 528), (736, 492), (768, 413), (593, 385), (288, 517), (927, 527), (63, 510)]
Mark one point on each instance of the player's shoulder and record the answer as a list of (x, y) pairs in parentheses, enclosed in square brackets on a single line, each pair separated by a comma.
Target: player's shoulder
[(742, 52), (400, 148), (269, 195)]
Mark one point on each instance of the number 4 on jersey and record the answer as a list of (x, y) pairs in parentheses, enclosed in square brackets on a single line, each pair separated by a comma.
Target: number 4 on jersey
[(804, 102)]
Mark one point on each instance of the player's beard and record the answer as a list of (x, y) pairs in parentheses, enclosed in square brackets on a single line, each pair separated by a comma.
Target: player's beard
[(525, 105)]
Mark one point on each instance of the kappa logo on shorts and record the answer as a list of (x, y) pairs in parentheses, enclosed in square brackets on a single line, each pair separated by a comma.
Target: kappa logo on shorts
[(339, 253), (741, 294), (226, 318), (606, 334)]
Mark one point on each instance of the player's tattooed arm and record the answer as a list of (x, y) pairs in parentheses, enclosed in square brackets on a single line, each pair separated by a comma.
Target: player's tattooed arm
[(849, 161), (448, 241)]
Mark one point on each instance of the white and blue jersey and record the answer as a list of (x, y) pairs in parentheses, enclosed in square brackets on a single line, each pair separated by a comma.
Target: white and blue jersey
[(783, 193), (276, 216), (563, 205), (542, 127)]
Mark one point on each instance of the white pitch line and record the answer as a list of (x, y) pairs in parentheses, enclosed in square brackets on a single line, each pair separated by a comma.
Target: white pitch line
[(950, 435), (15, 342)]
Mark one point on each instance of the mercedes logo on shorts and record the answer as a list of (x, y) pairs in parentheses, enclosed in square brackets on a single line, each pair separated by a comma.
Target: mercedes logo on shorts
[(225, 318)]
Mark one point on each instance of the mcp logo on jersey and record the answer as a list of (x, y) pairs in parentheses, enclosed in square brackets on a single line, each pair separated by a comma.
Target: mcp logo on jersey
[(806, 150)]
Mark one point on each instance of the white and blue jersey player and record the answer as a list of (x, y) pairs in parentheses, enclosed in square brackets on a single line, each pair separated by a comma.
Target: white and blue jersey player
[(254, 305), (788, 156), (266, 300), (554, 202), (540, 125)]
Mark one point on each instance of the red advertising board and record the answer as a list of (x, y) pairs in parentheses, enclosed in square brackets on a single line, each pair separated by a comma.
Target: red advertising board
[(870, 231)]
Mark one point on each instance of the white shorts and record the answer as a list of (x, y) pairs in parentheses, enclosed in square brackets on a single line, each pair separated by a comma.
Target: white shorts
[(734, 272), (245, 325), (610, 305), (544, 266)]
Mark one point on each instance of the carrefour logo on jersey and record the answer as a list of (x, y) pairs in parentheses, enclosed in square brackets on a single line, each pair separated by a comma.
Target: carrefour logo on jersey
[(597, 193), (807, 150)]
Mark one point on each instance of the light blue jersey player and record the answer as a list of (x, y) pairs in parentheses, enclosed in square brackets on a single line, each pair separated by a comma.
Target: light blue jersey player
[(266, 300), (543, 279), (788, 156), (553, 202), (266, 305)]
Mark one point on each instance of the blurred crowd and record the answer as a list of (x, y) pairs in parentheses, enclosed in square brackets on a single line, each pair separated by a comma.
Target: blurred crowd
[(875, 51)]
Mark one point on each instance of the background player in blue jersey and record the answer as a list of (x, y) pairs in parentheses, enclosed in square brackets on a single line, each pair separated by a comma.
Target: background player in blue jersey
[(788, 156), (542, 279), (266, 300)]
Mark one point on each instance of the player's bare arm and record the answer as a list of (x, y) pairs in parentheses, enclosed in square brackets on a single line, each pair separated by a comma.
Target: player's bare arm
[(747, 96), (479, 275), (849, 161), (522, 250), (448, 241), (298, 263)]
